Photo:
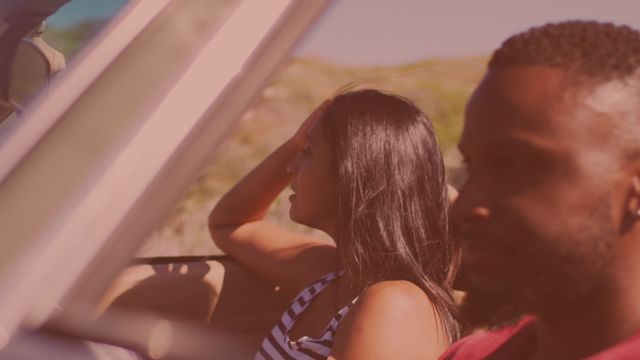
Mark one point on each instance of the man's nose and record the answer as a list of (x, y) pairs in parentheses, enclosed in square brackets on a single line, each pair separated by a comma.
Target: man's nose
[(470, 206)]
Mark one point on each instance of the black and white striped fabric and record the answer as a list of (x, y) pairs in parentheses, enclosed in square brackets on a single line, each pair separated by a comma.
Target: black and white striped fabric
[(278, 345)]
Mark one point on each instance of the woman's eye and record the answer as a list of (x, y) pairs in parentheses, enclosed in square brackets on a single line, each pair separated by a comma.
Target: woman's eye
[(306, 151)]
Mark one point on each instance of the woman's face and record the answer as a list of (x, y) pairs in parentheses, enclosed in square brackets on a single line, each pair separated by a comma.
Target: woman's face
[(315, 199)]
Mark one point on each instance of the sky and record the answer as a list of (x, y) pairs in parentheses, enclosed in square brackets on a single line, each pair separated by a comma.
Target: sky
[(79, 10), (391, 32), (394, 32)]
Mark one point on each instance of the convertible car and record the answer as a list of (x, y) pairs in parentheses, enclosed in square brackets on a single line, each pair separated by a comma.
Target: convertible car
[(94, 158)]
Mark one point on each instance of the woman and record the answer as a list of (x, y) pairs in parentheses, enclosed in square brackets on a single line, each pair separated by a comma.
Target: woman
[(366, 169)]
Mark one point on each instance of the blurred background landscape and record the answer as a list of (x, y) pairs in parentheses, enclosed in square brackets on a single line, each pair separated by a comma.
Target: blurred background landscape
[(433, 52), (439, 87)]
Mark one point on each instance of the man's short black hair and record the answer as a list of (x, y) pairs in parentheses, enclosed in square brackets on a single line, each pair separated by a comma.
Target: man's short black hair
[(601, 51)]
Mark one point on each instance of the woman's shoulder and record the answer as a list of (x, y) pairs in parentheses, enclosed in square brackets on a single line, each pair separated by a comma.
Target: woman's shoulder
[(399, 295), (391, 317), (389, 304)]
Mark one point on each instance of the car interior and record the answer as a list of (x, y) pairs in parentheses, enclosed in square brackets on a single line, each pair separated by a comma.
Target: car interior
[(78, 289)]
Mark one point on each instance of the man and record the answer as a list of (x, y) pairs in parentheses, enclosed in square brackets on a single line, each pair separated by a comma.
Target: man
[(550, 213)]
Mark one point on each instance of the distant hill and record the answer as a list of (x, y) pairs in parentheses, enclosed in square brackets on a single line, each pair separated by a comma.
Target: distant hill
[(440, 87)]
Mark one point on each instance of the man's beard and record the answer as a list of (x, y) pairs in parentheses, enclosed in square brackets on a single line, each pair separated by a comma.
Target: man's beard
[(486, 309), (552, 276)]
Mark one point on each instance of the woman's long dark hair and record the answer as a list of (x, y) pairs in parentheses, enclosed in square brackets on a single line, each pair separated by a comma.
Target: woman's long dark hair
[(392, 202)]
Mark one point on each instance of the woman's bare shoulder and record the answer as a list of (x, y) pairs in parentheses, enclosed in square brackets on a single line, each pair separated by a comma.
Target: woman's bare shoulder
[(397, 294), (394, 317)]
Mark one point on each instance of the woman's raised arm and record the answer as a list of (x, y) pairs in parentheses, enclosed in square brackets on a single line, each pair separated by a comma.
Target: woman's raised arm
[(237, 225)]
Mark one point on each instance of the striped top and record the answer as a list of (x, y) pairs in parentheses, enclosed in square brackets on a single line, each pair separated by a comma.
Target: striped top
[(278, 345)]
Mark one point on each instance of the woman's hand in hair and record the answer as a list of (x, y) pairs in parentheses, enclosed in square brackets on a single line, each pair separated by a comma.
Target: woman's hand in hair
[(237, 223), (300, 137)]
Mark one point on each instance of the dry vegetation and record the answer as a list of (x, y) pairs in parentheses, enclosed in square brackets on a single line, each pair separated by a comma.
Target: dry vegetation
[(439, 87)]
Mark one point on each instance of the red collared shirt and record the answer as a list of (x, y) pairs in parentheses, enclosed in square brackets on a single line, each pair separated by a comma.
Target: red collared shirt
[(519, 342)]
